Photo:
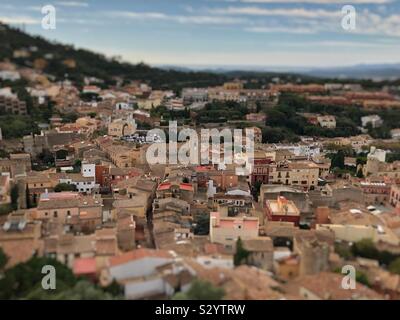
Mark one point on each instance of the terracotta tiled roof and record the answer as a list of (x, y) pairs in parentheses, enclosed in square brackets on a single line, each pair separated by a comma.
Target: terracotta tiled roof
[(139, 254), (328, 286), (164, 186), (84, 266)]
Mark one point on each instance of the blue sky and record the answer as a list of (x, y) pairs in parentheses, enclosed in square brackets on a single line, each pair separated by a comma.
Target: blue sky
[(221, 32)]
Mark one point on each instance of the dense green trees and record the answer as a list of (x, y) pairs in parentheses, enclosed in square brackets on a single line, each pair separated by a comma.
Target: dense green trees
[(221, 111), (46, 157), (201, 290), (285, 123), (275, 135), (16, 126), (367, 249), (82, 290), (14, 194), (394, 266), (64, 187), (24, 281), (337, 160), (3, 260), (202, 224), (69, 117), (241, 254), (24, 278)]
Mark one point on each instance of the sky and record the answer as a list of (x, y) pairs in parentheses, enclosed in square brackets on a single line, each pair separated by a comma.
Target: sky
[(276, 33)]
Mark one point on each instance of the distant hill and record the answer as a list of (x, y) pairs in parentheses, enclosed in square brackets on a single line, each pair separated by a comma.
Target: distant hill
[(362, 71), (356, 72), (94, 64)]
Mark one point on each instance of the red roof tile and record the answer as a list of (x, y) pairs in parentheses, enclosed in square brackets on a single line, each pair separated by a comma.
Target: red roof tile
[(84, 266), (139, 254), (186, 186), (164, 186)]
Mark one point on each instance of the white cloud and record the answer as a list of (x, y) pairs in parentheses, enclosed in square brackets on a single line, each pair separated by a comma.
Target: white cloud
[(19, 20), (374, 24), (72, 4), (316, 1), (281, 30), (257, 11), (308, 21), (138, 15), (188, 19)]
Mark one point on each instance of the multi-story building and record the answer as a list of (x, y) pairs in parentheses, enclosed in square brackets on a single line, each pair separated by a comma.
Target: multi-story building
[(72, 209), (4, 189), (38, 183), (374, 120), (84, 181), (394, 195), (182, 191), (256, 117), (227, 230), (375, 192), (20, 238), (12, 105), (282, 209), (314, 249), (303, 174), (261, 252), (122, 127), (190, 95), (260, 172), (222, 179)]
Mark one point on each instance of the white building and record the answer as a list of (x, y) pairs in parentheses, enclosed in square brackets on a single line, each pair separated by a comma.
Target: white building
[(327, 121), (140, 272), (395, 133), (195, 95), (308, 150), (84, 181), (377, 154), (374, 120), (123, 106), (10, 75)]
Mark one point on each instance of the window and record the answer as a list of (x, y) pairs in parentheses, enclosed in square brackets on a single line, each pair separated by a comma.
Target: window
[(55, 214), (68, 213)]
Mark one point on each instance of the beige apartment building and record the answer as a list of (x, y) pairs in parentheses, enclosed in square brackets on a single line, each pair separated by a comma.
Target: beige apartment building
[(303, 174), (11, 105), (394, 195), (81, 213), (124, 156), (227, 230), (20, 237), (121, 127)]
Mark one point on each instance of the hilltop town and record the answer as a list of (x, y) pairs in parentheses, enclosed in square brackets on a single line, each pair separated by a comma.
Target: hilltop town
[(77, 189)]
